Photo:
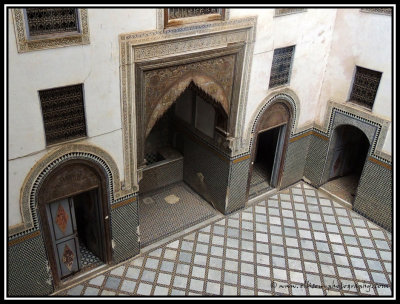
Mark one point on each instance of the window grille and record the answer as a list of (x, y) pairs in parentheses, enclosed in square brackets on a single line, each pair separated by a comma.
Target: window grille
[(46, 21), (377, 10), (175, 13), (281, 66), (288, 11), (63, 113), (365, 86)]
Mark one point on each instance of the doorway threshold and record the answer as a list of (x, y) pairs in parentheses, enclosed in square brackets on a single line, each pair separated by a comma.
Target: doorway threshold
[(337, 198), (85, 275)]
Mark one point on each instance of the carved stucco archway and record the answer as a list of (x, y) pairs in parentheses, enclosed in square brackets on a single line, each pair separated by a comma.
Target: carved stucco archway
[(204, 82), (179, 50)]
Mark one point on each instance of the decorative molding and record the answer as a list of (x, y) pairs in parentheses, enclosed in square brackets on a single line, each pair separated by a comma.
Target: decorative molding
[(161, 18), (190, 15), (288, 11), (27, 44), (283, 94), (179, 46), (37, 175)]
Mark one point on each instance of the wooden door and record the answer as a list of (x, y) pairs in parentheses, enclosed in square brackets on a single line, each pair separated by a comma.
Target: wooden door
[(339, 155), (89, 217), (61, 219), (278, 155)]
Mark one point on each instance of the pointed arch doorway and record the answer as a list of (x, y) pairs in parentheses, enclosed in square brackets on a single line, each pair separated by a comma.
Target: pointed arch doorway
[(271, 135)]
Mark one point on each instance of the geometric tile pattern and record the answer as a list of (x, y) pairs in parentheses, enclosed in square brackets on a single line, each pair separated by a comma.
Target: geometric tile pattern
[(158, 218), (295, 161), (27, 278), (296, 242), (87, 257)]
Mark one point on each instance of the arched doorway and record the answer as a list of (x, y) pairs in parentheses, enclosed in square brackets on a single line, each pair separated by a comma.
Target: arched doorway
[(270, 137), (348, 152), (168, 202), (74, 215)]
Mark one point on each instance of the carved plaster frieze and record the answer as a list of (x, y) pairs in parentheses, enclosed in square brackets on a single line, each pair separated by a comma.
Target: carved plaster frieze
[(177, 46), (27, 44)]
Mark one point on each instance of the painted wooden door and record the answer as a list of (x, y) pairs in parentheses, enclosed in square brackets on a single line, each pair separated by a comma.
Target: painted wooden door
[(61, 219), (278, 155)]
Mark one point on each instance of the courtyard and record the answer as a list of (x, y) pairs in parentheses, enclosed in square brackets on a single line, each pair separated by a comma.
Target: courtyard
[(295, 242)]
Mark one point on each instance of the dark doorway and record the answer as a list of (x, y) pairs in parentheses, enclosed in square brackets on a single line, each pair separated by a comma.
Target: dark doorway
[(267, 159), (349, 152), (168, 202)]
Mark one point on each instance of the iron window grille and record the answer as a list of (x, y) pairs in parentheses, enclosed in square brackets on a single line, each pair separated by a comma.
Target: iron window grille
[(378, 10), (187, 15), (49, 21), (288, 11), (281, 66), (365, 87), (63, 113)]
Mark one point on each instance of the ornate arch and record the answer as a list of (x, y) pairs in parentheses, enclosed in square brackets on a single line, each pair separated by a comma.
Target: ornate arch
[(204, 82), (288, 98), (42, 169)]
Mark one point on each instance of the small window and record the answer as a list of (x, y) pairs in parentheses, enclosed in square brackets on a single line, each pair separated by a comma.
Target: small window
[(288, 11), (48, 28), (47, 21), (186, 15), (63, 113), (281, 66), (365, 87)]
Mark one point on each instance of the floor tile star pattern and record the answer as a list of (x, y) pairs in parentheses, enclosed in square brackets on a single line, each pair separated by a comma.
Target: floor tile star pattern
[(297, 242)]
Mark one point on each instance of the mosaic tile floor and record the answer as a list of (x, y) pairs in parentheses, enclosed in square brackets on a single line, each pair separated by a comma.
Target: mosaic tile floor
[(160, 212), (297, 242), (88, 259)]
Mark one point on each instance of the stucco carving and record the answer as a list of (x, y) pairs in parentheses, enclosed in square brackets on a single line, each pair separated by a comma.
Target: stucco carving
[(163, 86), (152, 50), (25, 44)]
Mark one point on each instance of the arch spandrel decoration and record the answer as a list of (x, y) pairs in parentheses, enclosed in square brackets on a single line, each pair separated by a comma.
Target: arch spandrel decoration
[(37, 175), (203, 82), (180, 46), (183, 48)]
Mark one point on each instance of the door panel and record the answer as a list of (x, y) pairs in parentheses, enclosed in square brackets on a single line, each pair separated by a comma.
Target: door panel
[(68, 256), (61, 219), (278, 155)]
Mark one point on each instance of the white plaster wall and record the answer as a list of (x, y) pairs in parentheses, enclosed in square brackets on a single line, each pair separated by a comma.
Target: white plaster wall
[(96, 65), (362, 39), (311, 33)]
